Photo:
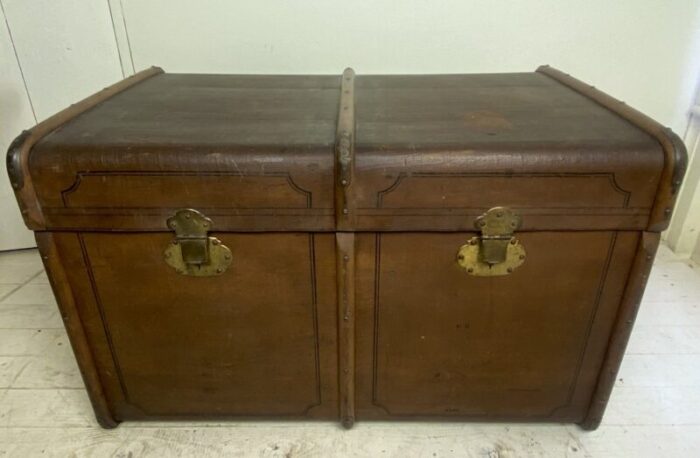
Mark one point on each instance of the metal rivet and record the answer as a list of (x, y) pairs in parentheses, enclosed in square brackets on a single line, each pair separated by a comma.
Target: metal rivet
[(460, 257), (513, 241), (187, 216), (219, 270), (509, 269), (344, 182), (345, 211), (522, 256), (472, 242), (174, 242), (667, 211), (346, 257), (499, 214), (482, 223), (346, 318), (470, 270), (227, 257)]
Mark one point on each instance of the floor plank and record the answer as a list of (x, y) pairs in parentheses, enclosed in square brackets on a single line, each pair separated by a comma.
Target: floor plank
[(31, 293), (667, 340), (27, 342), (39, 316)]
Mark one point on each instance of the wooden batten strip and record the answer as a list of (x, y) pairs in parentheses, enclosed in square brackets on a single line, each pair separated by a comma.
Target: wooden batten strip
[(20, 149), (626, 315), (345, 153), (74, 326), (345, 268), (345, 246), (675, 154)]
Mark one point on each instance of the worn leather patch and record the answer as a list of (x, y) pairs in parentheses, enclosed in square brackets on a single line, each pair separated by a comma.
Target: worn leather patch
[(486, 121)]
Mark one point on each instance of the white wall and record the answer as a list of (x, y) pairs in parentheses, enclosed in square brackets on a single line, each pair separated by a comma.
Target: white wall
[(646, 52), (15, 115), (643, 51), (52, 53), (683, 235)]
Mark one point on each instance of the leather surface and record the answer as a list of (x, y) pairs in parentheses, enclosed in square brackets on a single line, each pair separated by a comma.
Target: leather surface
[(431, 153)]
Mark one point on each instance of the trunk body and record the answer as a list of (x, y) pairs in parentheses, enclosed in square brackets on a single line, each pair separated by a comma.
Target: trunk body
[(348, 247)]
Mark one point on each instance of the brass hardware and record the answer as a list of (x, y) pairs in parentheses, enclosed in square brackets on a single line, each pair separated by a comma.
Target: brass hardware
[(193, 252), (496, 251)]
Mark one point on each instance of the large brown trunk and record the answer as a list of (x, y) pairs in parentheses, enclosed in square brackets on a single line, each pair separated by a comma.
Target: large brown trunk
[(336, 247)]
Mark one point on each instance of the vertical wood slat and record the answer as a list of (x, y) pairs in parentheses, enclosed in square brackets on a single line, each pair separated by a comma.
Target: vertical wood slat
[(344, 152), (629, 306), (345, 247), (58, 278), (345, 268)]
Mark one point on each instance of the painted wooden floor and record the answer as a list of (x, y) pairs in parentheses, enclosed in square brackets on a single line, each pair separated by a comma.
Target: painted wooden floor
[(44, 411)]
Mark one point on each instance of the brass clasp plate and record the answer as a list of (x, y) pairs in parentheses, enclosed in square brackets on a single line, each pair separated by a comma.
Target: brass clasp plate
[(193, 252), (496, 251)]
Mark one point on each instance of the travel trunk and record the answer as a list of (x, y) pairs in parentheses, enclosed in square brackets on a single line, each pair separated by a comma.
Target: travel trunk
[(456, 247)]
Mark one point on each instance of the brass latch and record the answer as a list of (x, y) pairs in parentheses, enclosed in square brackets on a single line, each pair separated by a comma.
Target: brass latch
[(496, 251), (193, 252)]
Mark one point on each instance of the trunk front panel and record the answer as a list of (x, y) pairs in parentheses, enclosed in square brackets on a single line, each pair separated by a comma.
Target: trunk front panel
[(434, 341), (257, 340), (431, 341)]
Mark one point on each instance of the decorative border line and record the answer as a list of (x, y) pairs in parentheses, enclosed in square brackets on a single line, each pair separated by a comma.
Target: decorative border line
[(633, 290), (103, 317), (117, 365), (466, 212), (211, 211), (314, 318), (79, 176), (21, 148), (575, 374), (375, 349), (675, 154), (589, 327), (403, 175)]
